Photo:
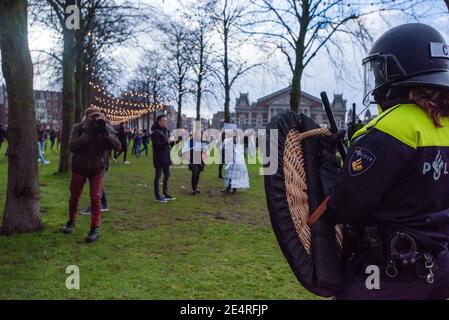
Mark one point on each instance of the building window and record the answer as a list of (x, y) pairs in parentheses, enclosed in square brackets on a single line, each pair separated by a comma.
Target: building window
[(41, 112), (306, 111), (259, 120), (242, 120)]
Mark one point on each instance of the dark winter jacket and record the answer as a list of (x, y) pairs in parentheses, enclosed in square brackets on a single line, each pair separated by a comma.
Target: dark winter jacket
[(122, 135), (90, 149), (53, 134), (196, 151), (40, 134), (2, 135), (161, 146)]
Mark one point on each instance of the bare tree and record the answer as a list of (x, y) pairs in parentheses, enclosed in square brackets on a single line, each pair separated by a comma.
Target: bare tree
[(103, 25), (152, 80), (200, 19), (22, 207), (300, 29), (229, 16), (178, 46)]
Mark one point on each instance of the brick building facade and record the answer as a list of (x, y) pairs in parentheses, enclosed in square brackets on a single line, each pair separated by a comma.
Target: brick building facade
[(256, 115), (48, 107)]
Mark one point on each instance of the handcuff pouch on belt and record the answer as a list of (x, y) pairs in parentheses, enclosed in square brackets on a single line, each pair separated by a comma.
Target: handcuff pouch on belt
[(404, 251), (401, 250)]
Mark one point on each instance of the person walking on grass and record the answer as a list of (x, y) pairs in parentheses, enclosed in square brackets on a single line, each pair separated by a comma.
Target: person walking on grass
[(137, 143), (160, 139), (145, 140), (195, 151), (222, 155), (89, 143), (40, 144), (53, 134), (58, 139), (123, 137)]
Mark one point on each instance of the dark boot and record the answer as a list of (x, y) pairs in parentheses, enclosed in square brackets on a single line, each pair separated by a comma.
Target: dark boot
[(160, 199), (93, 235), (168, 197), (227, 190), (69, 227)]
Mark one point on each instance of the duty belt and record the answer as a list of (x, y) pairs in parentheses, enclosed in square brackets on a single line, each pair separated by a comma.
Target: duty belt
[(401, 250), (407, 255)]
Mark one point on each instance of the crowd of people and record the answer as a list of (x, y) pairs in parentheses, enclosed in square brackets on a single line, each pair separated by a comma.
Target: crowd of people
[(44, 135), (93, 142)]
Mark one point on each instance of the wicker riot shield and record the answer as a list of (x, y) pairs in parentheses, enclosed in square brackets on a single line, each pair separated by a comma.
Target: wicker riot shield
[(304, 177)]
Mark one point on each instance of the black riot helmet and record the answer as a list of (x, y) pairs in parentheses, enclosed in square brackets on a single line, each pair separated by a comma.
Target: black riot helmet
[(411, 54)]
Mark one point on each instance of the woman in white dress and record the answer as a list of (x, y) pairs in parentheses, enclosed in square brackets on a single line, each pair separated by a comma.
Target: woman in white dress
[(236, 172)]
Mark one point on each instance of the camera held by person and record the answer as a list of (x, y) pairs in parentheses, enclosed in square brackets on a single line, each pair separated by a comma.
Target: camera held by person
[(90, 143)]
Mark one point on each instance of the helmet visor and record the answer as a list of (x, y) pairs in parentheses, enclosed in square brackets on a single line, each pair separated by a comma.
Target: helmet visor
[(374, 75)]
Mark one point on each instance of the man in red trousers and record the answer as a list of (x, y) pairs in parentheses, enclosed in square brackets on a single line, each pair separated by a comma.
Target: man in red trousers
[(89, 142)]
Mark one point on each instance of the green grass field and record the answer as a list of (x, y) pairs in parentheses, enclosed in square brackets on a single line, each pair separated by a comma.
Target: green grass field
[(209, 246)]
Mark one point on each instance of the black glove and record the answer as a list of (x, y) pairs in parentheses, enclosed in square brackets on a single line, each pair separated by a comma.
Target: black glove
[(98, 127), (102, 127), (329, 163), (330, 143)]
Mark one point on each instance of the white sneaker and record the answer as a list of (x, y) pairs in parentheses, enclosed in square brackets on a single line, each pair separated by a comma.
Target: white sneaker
[(85, 212), (126, 162)]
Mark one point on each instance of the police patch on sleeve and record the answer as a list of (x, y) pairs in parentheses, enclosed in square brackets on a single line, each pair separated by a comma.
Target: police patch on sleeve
[(361, 160)]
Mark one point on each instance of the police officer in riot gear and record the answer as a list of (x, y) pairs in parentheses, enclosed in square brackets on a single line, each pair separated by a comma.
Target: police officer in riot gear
[(393, 192)]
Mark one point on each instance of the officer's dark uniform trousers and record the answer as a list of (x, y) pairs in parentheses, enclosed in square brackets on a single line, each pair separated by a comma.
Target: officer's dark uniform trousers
[(396, 177)]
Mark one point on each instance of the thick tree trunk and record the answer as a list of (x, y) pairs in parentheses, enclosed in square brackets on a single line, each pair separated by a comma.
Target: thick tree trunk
[(79, 82), (85, 91), (78, 102), (227, 86), (199, 83), (68, 96), (180, 95), (295, 93), (22, 207), (179, 118), (199, 93)]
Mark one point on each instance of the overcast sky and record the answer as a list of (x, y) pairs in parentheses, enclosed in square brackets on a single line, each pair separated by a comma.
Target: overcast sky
[(320, 74)]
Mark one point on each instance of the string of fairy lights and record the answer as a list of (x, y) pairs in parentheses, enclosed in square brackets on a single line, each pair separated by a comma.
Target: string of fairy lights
[(131, 106)]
